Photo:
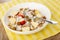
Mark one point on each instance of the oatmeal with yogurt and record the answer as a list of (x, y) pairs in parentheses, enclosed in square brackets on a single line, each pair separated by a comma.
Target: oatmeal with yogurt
[(26, 20)]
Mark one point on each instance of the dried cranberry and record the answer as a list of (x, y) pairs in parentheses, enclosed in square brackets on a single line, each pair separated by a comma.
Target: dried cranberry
[(22, 22), (21, 15)]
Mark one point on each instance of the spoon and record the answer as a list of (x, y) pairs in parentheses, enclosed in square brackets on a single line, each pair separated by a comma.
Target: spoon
[(49, 21)]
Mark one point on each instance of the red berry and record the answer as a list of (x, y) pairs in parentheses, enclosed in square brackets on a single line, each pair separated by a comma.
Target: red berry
[(22, 22), (21, 15)]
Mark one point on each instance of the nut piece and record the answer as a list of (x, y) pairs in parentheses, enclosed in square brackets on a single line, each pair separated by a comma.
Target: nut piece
[(44, 17), (9, 16), (12, 26), (18, 23)]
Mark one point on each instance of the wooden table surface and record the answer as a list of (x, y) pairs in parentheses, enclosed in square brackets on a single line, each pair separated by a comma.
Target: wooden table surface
[(3, 35)]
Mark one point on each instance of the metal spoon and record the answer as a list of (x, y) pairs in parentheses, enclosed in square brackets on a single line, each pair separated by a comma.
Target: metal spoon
[(49, 21)]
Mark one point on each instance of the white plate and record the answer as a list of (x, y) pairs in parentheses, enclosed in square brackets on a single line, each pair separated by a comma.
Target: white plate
[(43, 9)]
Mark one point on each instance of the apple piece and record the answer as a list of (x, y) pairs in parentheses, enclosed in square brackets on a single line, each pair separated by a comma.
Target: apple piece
[(34, 24), (19, 28), (38, 14), (29, 14), (20, 15), (12, 20), (24, 29), (31, 27), (19, 19), (21, 22)]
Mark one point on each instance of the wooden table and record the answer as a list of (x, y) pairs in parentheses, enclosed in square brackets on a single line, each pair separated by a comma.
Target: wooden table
[(3, 35)]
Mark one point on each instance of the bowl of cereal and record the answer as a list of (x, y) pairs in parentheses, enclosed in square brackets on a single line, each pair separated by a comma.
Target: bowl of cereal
[(26, 18)]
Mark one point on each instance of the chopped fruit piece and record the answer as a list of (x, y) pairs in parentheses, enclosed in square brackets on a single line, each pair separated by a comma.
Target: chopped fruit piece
[(12, 20), (35, 24), (31, 27), (19, 28), (14, 28), (19, 19), (24, 29), (36, 19), (37, 13), (21, 15), (26, 24), (29, 14), (23, 22)]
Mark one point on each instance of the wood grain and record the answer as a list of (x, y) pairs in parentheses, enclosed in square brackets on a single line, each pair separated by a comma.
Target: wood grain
[(3, 35), (55, 37)]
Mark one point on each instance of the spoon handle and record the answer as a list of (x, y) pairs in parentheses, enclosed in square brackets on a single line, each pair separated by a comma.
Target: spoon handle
[(51, 21)]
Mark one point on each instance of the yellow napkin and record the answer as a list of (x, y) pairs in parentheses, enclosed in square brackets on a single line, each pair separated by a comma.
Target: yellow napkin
[(50, 29)]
